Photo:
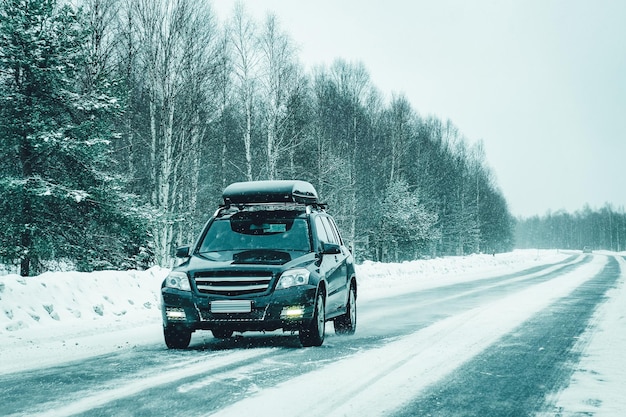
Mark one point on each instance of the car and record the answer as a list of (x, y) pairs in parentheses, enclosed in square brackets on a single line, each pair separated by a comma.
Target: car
[(270, 258), (587, 249)]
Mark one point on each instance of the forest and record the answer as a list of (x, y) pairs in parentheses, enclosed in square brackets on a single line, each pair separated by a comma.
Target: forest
[(595, 229), (121, 122)]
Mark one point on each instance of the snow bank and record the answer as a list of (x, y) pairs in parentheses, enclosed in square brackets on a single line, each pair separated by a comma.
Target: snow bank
[(78, 299)]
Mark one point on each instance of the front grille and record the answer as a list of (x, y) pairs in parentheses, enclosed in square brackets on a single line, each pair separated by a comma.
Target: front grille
[(256, 315), (233, 283)]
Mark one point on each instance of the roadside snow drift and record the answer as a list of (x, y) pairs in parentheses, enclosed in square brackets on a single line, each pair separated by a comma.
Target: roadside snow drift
[(68, 298)]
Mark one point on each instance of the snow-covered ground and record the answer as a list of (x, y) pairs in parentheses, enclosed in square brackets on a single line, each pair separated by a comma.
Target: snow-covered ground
[(63, 316)]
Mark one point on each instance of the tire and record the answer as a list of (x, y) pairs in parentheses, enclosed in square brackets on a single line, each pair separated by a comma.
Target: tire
[(176, 337), (312, 333), (346, 323), (222, 333)]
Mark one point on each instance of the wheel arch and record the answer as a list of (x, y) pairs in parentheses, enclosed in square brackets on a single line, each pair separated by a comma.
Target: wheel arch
[(321, 288), (353, 284)]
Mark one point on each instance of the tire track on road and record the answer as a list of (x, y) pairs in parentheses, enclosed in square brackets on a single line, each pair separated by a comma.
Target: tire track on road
[(84, 401)]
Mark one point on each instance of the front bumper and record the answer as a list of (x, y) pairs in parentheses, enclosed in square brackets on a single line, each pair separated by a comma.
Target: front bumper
[(285, 309)]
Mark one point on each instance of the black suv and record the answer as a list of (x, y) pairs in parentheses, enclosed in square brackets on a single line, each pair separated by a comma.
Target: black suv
[(270, 258)]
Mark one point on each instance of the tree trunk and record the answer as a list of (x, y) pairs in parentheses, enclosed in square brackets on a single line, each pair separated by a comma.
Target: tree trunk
[(271, 151), (247, 140), (26, 241)]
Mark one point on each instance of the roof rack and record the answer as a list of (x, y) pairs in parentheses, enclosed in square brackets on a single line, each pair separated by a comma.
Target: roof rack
[(237, 208)]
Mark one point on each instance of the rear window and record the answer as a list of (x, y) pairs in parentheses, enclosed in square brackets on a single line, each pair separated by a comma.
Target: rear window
[(258, 230)]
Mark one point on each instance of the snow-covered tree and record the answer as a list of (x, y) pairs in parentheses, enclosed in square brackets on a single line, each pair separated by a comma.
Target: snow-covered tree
[(407, 227), (58, 198)]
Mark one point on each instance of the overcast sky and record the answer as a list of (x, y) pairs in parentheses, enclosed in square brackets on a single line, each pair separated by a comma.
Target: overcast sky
[(541, 82)]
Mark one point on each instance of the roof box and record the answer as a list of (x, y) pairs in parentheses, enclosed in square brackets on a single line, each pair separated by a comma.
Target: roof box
[(278, 191)]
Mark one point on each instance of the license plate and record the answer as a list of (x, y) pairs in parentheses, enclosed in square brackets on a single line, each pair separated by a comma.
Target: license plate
[(231, 306)]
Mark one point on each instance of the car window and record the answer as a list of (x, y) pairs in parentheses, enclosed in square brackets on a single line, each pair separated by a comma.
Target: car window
[(336, 230), (257, 230), (332, 234), (321, 230)]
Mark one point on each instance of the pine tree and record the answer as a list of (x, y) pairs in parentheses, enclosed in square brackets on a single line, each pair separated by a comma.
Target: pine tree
[(58, 199), (407, 227)]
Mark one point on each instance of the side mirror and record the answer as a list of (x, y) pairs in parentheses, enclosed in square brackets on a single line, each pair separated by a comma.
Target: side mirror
[(182, 252), (330, 249)]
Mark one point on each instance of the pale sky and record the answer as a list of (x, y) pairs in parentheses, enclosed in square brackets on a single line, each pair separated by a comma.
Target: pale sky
[(541, 82)]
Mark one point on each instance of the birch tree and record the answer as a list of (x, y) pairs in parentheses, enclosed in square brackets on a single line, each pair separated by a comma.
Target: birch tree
[(246, 57), (401, 117), (175, 38), (353, 85), (223, 93), (198, 110), (280, 80)]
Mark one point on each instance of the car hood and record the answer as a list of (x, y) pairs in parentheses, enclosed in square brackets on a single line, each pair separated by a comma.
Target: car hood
[(255, 258)]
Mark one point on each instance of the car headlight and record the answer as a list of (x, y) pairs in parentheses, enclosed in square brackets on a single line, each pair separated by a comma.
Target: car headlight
[(292, 278), (178, 280)]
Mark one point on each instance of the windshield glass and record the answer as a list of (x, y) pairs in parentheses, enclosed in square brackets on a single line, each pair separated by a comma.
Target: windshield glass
[(258, 230)]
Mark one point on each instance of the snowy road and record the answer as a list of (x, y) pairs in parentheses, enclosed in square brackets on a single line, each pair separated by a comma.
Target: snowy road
[(488, 347)]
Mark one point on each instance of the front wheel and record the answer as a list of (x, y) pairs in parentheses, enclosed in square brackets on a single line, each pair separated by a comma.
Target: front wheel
[(346, 323), (312, 334), (177, 337)]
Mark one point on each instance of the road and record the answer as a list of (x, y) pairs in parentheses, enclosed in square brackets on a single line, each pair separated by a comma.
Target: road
[(490, 347)]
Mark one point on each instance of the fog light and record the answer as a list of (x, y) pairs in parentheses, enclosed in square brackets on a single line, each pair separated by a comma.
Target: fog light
[(175, 314), (292, 312)]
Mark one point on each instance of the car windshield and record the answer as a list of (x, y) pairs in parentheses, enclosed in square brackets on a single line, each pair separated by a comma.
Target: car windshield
[(257, 230)]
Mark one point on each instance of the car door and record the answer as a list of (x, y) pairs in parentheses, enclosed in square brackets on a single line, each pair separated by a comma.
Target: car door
[(334, 266)]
